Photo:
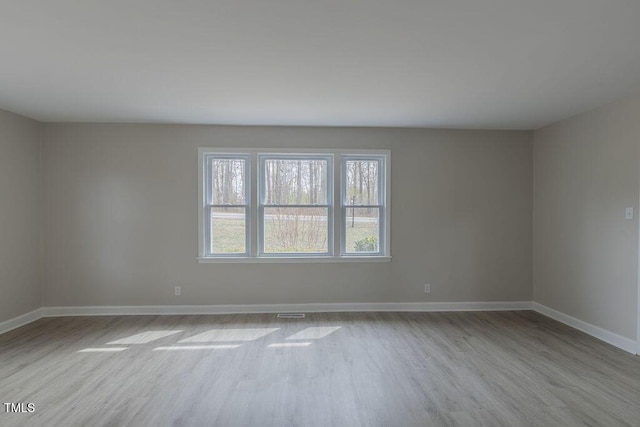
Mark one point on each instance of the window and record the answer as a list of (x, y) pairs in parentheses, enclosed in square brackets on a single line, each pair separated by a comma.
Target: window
[(295, 204), (270, 205), (226, 208), (363, 205)]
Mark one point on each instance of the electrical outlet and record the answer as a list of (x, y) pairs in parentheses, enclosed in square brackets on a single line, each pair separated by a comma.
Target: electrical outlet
[(178, 290), (628, 213), (427, 288)]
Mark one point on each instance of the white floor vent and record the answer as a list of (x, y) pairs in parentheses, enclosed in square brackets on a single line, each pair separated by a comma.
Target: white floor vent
[(291, 315)]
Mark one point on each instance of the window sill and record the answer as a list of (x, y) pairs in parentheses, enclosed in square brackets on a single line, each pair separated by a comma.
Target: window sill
[(293, 260)]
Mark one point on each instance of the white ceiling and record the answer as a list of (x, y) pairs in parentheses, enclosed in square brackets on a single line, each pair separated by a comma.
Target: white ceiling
[(423, 63)]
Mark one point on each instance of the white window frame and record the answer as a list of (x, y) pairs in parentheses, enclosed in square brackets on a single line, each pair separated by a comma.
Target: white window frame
[(262, 158), (383, 226), (336, 205), (207, 203)]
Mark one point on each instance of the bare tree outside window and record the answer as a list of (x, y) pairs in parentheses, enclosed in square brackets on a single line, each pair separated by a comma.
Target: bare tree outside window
[(227, 206), (296, 205), (362, 217)]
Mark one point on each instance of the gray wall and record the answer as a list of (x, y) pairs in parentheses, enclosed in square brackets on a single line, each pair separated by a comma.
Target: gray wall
[(121, 209), (585, 252), (20, 226)]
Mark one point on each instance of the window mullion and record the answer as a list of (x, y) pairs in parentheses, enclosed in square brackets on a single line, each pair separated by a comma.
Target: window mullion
[(254, 189), (332, 189), (207, 229), (338, 212), (382, 240)]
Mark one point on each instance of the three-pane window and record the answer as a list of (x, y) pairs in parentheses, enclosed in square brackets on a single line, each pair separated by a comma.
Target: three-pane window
[(293, 205)]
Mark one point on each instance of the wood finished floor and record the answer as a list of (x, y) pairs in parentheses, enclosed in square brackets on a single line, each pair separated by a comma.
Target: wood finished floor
[(376, 369)]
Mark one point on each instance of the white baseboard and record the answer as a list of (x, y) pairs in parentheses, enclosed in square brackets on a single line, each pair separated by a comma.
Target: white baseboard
[(284, 308), (595, 331), (16, 322)]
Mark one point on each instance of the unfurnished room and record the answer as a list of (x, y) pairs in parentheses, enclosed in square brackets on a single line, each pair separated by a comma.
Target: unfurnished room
[(332, 213)]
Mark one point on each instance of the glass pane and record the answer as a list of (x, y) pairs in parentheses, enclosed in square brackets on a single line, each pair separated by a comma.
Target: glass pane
[(227, 181), (290, 230), (362, 182), (362, 230), (295, 182), (228, 232)]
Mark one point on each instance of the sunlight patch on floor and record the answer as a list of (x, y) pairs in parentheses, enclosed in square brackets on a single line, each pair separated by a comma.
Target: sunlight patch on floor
[(143, 338), (226, 335), (289, 344), (198, 347), (103, 350)]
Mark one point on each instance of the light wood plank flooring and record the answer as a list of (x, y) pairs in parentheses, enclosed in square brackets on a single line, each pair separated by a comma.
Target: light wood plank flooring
[(330, 369)]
